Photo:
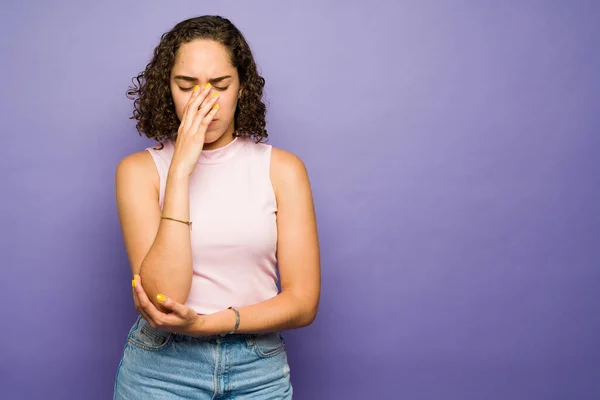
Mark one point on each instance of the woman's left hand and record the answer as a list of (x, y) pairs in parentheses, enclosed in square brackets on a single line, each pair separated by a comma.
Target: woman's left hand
[(182, 318)]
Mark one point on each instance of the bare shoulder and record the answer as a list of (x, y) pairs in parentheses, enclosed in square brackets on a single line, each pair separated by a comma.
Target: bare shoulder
[(287, 169), (138, 161), (138, 166)]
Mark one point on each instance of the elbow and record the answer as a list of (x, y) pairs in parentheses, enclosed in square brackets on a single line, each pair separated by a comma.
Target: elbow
[(304, 309), (177, 287), (308, 316)]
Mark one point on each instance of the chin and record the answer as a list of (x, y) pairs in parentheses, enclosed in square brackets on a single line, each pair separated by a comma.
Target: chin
[(212, 137)]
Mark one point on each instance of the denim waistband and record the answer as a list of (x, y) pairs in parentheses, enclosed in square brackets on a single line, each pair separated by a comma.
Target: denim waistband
[(234, 337)]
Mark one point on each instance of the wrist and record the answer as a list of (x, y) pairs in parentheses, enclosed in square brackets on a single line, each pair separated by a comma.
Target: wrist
[(198, 328), (219, 323), (177, 173)]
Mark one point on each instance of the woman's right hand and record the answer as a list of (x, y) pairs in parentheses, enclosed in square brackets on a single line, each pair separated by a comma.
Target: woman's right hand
[(197, 114)]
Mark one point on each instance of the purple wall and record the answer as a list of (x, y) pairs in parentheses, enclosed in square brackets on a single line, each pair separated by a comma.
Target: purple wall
[(452, 147)]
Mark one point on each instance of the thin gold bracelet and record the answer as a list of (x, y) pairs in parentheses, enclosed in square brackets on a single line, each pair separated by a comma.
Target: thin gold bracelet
[(189, 223)]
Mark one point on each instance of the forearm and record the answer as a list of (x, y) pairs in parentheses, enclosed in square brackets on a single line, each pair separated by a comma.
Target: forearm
[(167, 268), (282, 312)]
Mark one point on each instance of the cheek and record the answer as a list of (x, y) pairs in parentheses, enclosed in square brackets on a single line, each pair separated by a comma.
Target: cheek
[(228, 102), (232, 103), (179, 102)]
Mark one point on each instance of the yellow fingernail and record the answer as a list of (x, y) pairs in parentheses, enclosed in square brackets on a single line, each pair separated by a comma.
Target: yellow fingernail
[(216, 106), (207, 86), (196, 88), (160, 297), (215, 94), (133, 283)]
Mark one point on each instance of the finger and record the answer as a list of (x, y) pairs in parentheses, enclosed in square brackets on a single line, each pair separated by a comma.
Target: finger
[(208, 99), (205, 115), (146, 317), (136, 300), (195, 104), (152, 312), (177, 308), (193, 96), (207, 104), (154, 323), (134, 293), (138, 307)]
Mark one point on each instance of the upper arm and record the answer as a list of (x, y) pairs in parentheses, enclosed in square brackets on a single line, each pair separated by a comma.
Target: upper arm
[(297, 240), (137, 191)]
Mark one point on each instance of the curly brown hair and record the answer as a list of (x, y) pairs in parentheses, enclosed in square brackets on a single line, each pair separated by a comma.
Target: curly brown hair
[(153, 106)]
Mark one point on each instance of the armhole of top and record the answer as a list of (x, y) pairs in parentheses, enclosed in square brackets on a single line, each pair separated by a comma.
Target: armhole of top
[(159, 169), (271, 188)]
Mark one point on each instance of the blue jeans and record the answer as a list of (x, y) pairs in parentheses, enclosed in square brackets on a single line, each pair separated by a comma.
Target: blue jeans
[(162, 365)]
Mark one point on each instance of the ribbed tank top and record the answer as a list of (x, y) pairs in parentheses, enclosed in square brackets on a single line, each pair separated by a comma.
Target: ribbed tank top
[(234, 236)]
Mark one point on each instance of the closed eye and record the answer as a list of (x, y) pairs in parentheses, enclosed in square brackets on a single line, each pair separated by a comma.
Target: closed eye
[(214, 87)]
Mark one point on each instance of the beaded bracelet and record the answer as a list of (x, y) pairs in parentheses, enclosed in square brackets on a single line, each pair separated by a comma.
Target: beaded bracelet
[(237, 320)]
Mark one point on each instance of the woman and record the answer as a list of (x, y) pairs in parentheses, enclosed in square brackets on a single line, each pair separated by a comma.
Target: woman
[(210, 217)]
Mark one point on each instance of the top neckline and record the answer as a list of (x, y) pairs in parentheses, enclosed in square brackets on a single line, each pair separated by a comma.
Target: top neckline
[(218, 155)]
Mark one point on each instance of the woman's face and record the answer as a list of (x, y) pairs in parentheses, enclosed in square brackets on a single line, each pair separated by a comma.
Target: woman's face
[(198, 63)]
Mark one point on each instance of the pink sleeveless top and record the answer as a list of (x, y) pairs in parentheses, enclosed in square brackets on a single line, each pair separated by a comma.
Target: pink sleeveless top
[(234, 236)]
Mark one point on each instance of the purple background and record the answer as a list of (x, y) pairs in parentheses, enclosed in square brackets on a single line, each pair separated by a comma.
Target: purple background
[(452, 148)]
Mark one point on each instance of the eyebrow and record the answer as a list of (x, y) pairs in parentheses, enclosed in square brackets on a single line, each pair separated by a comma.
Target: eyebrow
[(192, 79)]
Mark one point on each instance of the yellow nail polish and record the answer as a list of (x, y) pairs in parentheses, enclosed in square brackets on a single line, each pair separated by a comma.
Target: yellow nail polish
[(215, 94), (216, 106), (133, 283), (207, 86), (196, 88), (160, 297)]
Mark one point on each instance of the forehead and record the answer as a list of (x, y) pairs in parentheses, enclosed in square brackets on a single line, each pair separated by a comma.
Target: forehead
[(202, 59)]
